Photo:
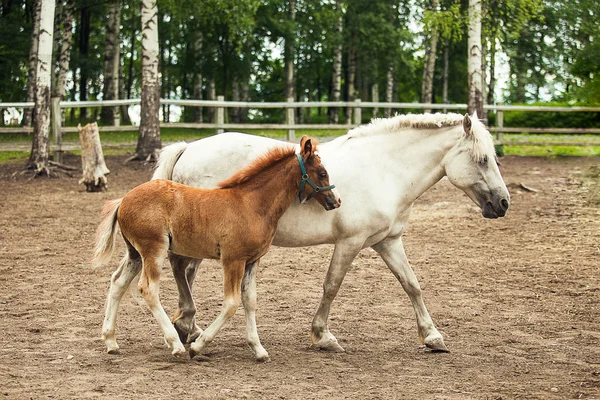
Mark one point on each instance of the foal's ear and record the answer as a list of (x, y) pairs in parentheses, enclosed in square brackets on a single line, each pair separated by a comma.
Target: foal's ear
[(467, 125), (307, 147)]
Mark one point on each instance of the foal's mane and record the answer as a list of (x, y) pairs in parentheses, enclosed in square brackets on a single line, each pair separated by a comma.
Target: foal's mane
[(261, 164), (482, 142)]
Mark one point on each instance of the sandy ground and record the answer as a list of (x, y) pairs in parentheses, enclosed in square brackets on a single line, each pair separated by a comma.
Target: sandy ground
[(517, 300)]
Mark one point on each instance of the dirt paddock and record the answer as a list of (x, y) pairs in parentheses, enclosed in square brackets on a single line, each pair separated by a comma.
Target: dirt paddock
[(517, 300)]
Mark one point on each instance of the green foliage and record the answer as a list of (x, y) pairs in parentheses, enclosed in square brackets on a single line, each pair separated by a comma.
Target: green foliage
[(552, 119)]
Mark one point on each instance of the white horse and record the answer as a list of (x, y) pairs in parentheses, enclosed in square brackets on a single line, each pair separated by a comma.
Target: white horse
[(379, 169)]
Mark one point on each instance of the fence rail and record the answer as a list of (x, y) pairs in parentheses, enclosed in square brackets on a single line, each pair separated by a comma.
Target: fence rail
[(290, 124)]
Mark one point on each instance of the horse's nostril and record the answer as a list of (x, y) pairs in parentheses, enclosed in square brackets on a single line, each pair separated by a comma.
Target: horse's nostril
[(504, 204)]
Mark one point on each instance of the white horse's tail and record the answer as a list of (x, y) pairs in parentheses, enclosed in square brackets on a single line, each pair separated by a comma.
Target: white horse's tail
[(167, 159), (105, 235)]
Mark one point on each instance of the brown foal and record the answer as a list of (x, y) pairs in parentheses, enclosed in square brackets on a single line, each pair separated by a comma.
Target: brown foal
[(235, 223)]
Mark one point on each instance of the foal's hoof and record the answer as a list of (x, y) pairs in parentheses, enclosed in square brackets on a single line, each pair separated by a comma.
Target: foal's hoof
[(113, 350), (436, 344), (193, 353)]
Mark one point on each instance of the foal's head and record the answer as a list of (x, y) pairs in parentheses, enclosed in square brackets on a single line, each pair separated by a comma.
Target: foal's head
[(315, 181)]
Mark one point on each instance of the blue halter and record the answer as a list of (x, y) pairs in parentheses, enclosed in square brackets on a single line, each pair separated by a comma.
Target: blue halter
[(306, 179)]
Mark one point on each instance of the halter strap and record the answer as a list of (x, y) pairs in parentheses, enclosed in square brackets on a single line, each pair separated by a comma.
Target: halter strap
[(306, 179)]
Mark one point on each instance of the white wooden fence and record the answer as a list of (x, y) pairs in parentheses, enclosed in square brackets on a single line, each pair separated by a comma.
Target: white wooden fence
[(290, 124)]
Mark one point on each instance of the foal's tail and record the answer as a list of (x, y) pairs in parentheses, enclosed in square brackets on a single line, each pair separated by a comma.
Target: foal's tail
[(167, 159), (105, 235)]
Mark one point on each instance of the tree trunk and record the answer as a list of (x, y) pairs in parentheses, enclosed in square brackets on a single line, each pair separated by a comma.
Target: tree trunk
[(492, 86), (197, 94), (336, 79), (65, 48), (112, 62), (84, 45), (351, 83), (149, 136), (475, 100), (92, 159), (375, 98), (124, 112), (290, 80), (245, 94), (235, 96), (38, 160), (211, 94), (445, 74), (58, 10), (32, 68), (429, 68), (389, 90)]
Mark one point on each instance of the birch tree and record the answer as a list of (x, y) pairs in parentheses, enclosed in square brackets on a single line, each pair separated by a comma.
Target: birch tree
[(65, 49), (290, 81), (110, 115), (430, 55), (336, 79), (475, 76), (38, 160), (149, 135), (32, 65)]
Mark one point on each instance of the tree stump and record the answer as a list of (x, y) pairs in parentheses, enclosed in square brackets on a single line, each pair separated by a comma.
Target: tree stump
[(92, 159)]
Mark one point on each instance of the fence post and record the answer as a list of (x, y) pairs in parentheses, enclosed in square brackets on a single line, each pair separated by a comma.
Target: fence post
[(220, 115), (290, 113), (357, 113), (499, 133), (56, 131)]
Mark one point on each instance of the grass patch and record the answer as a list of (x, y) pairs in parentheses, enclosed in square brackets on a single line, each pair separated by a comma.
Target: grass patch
[(552, 151), (13, 156)]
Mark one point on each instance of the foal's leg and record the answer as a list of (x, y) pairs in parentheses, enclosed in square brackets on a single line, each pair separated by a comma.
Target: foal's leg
[(249, 302), (233, 273), (343, 254), (153, 257), (184, 270), (129, 267), (392, 252)]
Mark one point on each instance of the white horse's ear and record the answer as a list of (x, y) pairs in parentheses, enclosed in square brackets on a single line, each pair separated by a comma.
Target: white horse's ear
[(475, 115), (467, 123)]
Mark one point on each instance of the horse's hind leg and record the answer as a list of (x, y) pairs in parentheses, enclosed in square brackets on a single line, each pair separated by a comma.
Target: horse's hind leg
[(184, 270), (249, 302), (392, 252), (153, 257), (129, 267), (233, 273)]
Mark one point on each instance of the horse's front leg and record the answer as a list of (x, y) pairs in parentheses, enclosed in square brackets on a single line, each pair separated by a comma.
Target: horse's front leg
[(249, 302), (343, 254), (184, 270), (392, 252)]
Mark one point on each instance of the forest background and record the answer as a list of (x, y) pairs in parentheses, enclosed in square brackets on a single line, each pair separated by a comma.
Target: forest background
[(377, 50)]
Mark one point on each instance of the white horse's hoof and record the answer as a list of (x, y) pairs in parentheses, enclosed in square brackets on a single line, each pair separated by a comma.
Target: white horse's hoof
[(264, 358), (436, 343), (113, 350), (178, 351), (329, 344)]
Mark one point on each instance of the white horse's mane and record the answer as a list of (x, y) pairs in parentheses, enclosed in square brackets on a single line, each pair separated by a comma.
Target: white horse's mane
[(483, 142)]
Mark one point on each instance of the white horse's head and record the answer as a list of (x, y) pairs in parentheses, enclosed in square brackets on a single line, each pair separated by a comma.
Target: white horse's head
[(471, 166)]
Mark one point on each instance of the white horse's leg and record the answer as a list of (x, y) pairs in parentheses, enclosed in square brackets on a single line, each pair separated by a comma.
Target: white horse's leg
[(343, 254), (119, 282), (249, 302), (184, 270), (233, 273), (392, 252), (149, 288)]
